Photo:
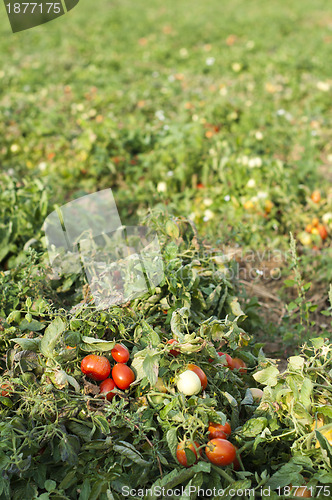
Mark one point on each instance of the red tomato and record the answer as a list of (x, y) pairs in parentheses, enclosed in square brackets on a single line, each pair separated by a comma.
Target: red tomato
[(228, 358), (106, 387), (120, 353), (123, 376), (173, 352), (200, 186), (181, 454), (219, 430), (238, 364), (96, 367), (220, 451), (5, 393), (202, 377)]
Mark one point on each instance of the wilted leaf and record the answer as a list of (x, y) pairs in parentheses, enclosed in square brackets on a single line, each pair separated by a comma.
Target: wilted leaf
[(267, 376), (51, 337)]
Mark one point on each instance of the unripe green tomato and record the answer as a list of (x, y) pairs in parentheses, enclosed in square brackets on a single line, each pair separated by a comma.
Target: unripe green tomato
[(256, 393), (189, 383), (160, 386)]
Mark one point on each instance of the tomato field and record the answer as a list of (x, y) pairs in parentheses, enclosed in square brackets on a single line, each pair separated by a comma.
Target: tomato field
[(211, 124)]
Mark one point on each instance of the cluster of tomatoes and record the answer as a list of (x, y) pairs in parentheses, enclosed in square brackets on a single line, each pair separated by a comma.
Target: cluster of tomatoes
[(315, 227), (218, 450), (98, 368)]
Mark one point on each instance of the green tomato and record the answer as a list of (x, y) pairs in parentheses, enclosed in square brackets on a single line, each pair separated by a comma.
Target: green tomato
[(189, 383)]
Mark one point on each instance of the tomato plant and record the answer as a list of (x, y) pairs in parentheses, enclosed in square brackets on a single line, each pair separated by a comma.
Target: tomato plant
[(120, 353), (123, 376), (202, 377), (96, 367), (220, 451)]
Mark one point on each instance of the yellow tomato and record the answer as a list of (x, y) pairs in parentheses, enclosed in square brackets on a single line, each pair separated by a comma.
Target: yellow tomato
[(328, 435)]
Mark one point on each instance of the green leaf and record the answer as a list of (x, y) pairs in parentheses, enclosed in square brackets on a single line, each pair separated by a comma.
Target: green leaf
[(149, 334), (235, 307), (91, 344), (85, 490), (146, 364), (51, 337), (172, 441), (28, 344), (324, 443), (172, 229), (68, 480), (296, 363), (33, 326), (288, 473), (129, 451), (50, 485), (267, 376), (179, 322), (289, 282), (176, 477), (254, 427), (317, 342), (306, 392), (102, 423)]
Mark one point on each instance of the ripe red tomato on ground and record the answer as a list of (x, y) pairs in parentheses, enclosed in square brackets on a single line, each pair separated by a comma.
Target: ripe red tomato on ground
[(96, 367), (181, 454), (123, 376), (238, 364), (173, 352), (219, 430), (106, 387), (220, 451), (120, 353), (202, 377)]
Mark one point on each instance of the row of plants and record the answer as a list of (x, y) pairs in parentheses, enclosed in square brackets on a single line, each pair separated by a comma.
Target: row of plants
[(167, 391)]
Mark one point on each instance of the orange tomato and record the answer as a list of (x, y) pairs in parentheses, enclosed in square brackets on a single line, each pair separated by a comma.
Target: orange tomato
[(322, 231), (181, 454), (315, 222), (308, 228), (315, 196), (5, 393), (239, 364)]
